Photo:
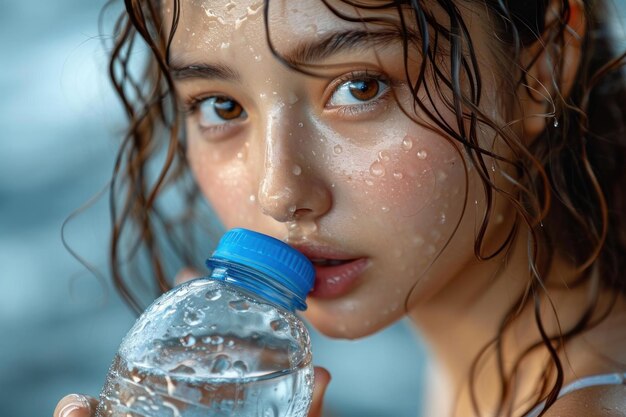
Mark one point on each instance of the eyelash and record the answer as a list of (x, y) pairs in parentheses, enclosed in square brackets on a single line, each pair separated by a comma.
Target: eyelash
[(355, 109), (191, 107)]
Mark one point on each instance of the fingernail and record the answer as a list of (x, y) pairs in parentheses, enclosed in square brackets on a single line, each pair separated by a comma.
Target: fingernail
[(71, 405)]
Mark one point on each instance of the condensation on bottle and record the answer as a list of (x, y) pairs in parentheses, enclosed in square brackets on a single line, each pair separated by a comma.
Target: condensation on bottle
[(225, 345)]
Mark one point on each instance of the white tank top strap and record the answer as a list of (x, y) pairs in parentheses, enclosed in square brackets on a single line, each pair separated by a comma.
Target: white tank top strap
[(586, 382)]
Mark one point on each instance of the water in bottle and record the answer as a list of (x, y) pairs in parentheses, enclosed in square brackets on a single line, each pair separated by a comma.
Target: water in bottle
[(227, 345)]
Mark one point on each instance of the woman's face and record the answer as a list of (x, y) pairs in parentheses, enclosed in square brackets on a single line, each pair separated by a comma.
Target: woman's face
[(330, 164)]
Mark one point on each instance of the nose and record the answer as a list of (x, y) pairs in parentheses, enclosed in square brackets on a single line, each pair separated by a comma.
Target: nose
[(291, 187)]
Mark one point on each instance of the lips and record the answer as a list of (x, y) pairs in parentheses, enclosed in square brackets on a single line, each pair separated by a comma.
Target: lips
[(336, 272)]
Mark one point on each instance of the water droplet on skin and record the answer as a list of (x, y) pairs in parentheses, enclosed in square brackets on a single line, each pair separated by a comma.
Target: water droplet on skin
[(188, 340), (252, 198), (442, 218), (213, 295), (225, 45), (239, 305), (258, 58), (337, 149), (417, 241), (407, 143), (292, 209), (556, 122), (240, 155), (193, 318), (441, 176), (398, 175), (369, 182), (430, 250), (221, 363), (383, 156), (300, 124), (385, 209), (296, 170), (422, 154), (292, 98), (377, 169)]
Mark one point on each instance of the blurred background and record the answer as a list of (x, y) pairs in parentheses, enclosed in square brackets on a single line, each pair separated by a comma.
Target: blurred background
[(60, 324)]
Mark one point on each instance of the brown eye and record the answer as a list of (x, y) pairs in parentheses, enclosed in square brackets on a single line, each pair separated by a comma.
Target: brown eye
[(218, 110), (364, 89), (358, 91)]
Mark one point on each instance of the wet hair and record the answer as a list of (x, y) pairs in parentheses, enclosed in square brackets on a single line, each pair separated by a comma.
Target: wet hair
[(567, 188)]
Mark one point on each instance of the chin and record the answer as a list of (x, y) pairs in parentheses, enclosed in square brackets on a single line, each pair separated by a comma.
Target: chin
[(342, 326)]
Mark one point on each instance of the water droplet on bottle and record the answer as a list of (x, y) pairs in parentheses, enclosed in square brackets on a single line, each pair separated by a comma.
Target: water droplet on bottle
[(240, 367), (407, 143), (422, 154), (239, 305), (296, 170), (213, 295), (337, 149), (188, 340), (182, 369), (221, 363), (279, 325), (377, 169), (271, 411), (193, 318)]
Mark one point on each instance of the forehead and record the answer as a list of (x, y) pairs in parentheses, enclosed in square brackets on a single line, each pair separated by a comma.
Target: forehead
[(219, 24)]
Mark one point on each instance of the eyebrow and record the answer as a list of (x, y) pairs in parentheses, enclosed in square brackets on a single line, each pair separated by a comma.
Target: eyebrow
[(303, 53), (338, 42)]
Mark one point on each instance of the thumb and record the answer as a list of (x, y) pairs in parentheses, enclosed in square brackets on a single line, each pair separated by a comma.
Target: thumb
[(185, 275), (322, 379)]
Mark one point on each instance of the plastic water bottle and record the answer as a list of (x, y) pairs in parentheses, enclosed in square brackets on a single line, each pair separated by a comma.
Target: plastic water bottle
[(226, 345)]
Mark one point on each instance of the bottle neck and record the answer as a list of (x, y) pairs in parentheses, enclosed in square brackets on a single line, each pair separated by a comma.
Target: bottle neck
[(258, 283)]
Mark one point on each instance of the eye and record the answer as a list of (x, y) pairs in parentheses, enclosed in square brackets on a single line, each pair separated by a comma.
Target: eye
[(218, 110), (358, 91)]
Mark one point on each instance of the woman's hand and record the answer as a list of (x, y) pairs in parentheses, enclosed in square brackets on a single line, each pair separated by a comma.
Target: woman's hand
[(75, 405)]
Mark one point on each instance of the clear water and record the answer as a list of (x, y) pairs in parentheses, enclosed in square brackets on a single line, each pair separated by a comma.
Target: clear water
[(208, 349), (136, 392)]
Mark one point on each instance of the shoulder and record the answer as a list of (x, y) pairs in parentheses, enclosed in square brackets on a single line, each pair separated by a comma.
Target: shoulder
[(600, 401)]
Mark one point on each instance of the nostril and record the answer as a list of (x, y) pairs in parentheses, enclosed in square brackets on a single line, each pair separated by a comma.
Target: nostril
[(301, 212)]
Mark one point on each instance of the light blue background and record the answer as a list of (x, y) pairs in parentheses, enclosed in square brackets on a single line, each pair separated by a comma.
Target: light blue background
[(59, 324)]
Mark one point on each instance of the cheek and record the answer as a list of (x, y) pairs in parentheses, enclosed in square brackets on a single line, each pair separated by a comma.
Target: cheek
[(224, 179)]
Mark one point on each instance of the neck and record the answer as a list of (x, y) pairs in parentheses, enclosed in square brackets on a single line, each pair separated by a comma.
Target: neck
[(457, 324)]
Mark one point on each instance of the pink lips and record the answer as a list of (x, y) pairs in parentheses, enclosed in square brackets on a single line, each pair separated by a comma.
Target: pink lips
[(333, 281)]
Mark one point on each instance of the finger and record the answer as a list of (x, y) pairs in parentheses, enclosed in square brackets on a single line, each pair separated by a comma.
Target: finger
[(322, 379), (185, 275), (76, 405)]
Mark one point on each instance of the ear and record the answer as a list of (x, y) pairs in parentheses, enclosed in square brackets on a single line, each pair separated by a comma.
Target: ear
[(538, 95)]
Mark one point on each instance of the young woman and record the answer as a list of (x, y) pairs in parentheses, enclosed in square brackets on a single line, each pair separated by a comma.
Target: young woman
[(459, 162)]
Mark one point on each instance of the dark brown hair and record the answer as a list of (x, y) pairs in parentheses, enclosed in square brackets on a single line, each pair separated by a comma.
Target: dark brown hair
[(568, 190)]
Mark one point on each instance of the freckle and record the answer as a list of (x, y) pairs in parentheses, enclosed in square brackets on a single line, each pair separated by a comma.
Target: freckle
[(422, 154), (377, 169), (337, 149), (239, 155), (296, 170), (407, 143)]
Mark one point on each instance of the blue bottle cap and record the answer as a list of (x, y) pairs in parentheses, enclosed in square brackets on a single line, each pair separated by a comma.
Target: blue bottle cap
[(269, 255)]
